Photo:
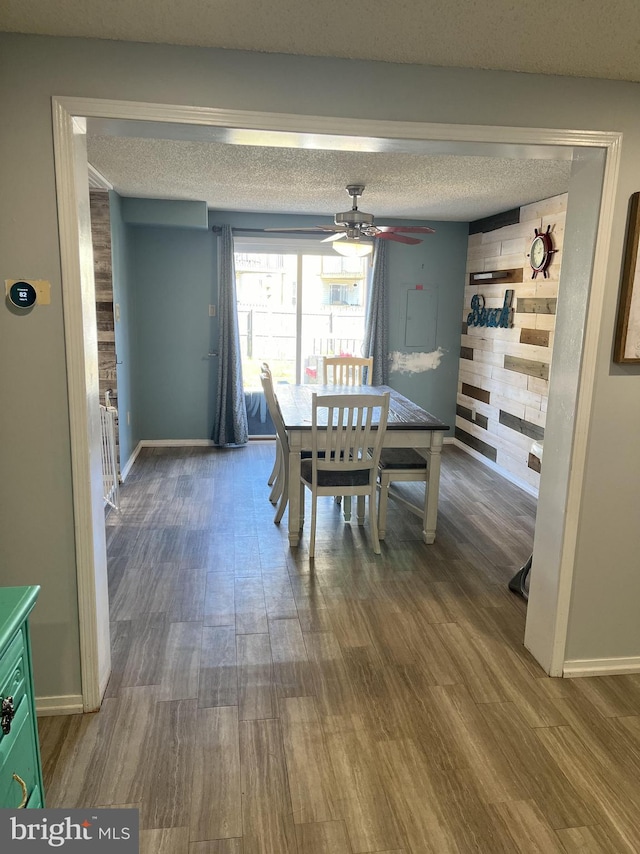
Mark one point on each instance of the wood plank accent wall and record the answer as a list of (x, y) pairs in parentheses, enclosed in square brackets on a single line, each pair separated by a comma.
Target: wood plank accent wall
[(508, 276), (101, 239), (103, 274), (503, 382)]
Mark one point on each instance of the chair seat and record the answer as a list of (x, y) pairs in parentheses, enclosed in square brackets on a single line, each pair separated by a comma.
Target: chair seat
[(401, 458), (356, 477)]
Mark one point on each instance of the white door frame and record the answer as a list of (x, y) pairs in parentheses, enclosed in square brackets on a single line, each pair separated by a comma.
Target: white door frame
[(70, 161)]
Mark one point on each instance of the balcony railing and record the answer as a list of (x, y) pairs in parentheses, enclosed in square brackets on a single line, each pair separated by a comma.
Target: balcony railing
[(268, 263)]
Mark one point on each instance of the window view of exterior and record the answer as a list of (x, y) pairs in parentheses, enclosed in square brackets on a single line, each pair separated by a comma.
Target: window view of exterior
[(292, 311)]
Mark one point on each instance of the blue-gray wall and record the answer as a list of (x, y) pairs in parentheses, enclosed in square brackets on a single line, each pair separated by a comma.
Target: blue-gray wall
[(166, 332), (172, 275), (437, 265)]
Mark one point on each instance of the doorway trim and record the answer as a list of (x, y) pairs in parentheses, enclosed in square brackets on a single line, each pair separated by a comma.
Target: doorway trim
[(274, 128)]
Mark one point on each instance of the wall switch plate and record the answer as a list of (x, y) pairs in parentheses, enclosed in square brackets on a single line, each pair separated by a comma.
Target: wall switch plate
[(212, 311)]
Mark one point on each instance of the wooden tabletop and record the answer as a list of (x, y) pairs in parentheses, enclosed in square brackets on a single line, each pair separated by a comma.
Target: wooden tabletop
[(295, 403)]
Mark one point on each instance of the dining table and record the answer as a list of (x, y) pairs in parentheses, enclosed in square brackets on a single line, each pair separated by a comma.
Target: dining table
[(408, 426)]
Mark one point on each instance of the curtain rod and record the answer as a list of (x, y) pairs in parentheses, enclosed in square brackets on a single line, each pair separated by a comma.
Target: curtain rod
[(216, 229)]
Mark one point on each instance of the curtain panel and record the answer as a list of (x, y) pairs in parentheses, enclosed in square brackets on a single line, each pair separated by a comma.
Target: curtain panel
[(230, 423), (376, 335)]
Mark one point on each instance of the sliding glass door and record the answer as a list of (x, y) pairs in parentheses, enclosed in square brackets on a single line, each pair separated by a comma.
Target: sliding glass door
[(294, 307)]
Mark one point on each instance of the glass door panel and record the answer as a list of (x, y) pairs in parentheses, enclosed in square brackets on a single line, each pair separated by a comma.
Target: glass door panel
[(333, 307), (293, 309), (266, 291)]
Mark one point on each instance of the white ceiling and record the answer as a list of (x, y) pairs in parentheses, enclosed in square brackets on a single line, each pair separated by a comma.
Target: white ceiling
[(575, 37), (305, 181)]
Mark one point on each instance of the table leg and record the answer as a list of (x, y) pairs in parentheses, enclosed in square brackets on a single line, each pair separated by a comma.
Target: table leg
[(383, 501), (433, 486), (294, 498)]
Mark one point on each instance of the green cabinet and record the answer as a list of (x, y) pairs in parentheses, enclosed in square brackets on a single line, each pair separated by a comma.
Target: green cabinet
[(20, 769)]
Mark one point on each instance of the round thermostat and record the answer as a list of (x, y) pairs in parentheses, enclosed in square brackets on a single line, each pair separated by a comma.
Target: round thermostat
[(22, 294)]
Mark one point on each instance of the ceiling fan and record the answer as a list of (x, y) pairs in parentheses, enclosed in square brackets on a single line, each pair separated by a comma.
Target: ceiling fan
[(356, 224)]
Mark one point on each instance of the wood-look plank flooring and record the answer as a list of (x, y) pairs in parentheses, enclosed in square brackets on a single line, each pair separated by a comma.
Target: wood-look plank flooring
[(260, 704)]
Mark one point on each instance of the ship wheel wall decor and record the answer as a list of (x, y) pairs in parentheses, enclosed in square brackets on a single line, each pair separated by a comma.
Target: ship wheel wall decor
[(541, 252)]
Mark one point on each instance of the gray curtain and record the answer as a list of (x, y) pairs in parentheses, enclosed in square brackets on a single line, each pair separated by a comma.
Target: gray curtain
[(376, 334), (230, 424)]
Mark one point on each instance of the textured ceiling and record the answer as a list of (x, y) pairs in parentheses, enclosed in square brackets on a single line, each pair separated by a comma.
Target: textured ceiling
[(290, 180), (585, 38)]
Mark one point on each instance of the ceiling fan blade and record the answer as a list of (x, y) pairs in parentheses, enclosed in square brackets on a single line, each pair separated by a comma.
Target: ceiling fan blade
[(333, 237), (410, 229), (399, 238)]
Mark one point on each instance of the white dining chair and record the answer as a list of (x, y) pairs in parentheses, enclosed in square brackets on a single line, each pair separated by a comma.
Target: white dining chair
[(277, 463), (399, 465), (347, 432), (347, 370), (280, 490)]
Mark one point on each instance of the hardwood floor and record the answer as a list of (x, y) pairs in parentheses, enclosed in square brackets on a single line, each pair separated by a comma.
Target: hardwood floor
[(260, 705)]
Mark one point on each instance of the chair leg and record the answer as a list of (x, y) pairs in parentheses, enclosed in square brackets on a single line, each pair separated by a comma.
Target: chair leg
[(302, 500), (383, 500), (276, 485), (360, 510), (347, 508), (373, 523), (276, 489), (283, 478), (276, 466)]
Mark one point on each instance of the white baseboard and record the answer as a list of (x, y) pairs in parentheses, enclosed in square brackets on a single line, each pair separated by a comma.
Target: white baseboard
[(129, 464), (601, 666), (495, 467), (449, 440), (176, 443), (68, 704)]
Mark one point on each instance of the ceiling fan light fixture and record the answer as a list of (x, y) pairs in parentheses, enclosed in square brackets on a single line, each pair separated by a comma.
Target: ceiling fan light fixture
[(353, 248)]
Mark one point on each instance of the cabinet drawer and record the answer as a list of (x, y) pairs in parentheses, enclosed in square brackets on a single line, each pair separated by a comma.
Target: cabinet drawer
[(13, 675), (18, 756)]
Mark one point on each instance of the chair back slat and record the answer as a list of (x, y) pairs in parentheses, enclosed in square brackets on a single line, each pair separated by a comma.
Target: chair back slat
[(347, 431), (347, 370)]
